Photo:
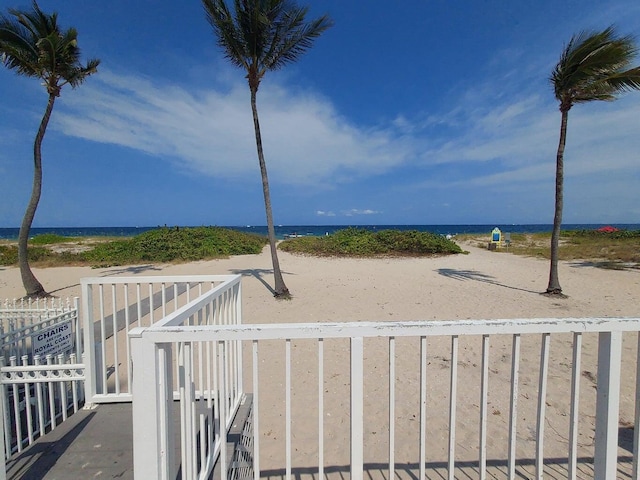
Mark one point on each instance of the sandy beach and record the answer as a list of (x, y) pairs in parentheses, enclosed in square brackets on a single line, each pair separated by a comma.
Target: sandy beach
[(479, 285)]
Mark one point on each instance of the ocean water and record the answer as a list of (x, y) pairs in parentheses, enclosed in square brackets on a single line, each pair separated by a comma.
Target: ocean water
[(282, 230)]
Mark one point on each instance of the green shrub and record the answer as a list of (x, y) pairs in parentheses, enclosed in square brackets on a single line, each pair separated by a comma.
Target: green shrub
[(358, 242), (8, 255), (176, 244)]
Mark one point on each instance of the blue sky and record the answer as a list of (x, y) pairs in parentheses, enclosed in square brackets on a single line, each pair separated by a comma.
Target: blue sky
[(405, 112)]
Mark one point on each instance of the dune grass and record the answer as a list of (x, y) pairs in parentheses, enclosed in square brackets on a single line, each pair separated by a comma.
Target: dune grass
[(357, 242)]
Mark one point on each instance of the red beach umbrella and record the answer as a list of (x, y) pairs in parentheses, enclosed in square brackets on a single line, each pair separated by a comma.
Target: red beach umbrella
[(608, 229)]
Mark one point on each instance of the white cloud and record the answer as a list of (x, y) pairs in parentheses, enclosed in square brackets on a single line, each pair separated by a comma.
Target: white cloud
[(305, 140), (322, 213), (355, 212), (489, 137)]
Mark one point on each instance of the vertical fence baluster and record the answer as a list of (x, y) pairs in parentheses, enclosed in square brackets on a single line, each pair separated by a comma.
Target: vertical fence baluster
[(128, 368), (453, 389), (51, 391), (484, 389), (542, 403), (287, 407), (151, 305), (27, 402), (16, 409), (6, 413), (320, 408), (513, 408), (256, 413), (114, 338), (103, 342), (223, 408), (575, 403), (392, 407), (357, 408), (63, 387), (39, 400), (423, 406), (74, 384)]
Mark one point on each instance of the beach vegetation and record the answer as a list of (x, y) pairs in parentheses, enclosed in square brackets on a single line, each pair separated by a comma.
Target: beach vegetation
[(175, 245), (593, 66), (49, 239), (34, 45), (261, 36), (615, 250), (164, 245), (359, 242)]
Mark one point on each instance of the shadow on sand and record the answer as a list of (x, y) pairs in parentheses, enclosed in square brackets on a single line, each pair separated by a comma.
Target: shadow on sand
[(257, 273), (464, 275)]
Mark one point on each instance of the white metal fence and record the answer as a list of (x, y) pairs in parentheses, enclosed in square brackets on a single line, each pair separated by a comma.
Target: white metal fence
[(40, 375), (398, 399), (37, 395), (114, 306)]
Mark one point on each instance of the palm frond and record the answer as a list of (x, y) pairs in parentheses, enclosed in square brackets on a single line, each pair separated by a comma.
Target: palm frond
[(263, 35), (595, 66), (32, 43), (226, 31)]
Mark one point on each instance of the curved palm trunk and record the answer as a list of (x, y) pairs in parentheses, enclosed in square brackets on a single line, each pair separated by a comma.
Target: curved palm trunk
[(280, 289), (554, 283), (31, 284)]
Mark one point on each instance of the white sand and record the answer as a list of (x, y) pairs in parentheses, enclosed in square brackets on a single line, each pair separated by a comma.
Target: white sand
[(480, 285)]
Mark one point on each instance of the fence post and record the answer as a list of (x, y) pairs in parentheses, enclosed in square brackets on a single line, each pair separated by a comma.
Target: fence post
[(607, 405), (152, 388), (89, 357)]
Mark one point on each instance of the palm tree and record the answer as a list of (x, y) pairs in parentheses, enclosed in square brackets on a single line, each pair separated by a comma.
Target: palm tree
[(593, 66), (263, 35), (32, 44)]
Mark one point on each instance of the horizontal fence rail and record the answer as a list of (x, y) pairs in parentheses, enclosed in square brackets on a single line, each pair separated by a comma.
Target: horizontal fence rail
[(399, 380), (114, 306)]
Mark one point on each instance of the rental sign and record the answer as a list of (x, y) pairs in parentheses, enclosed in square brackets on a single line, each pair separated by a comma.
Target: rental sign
[(53, 340)]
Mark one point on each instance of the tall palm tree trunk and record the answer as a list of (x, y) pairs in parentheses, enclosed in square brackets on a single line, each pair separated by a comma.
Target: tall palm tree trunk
[(554, 283), (280, 289), (31, 284)]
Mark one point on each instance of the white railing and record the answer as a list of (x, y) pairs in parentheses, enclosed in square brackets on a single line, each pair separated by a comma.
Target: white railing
[(209, 387), (428, 379), (114, 306)]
